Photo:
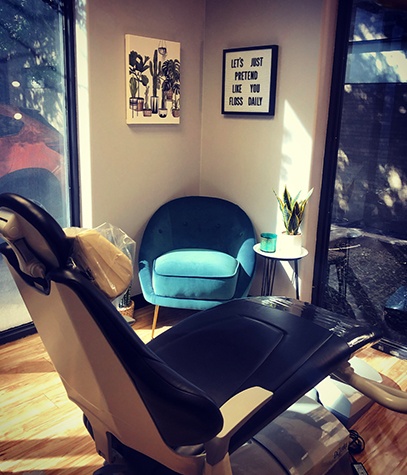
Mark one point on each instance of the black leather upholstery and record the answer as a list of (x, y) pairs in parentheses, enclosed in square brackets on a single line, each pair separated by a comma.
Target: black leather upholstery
[(281, 344)]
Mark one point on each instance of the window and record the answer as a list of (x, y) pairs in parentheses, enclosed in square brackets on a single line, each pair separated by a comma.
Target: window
[(37, 139), (365, 258)]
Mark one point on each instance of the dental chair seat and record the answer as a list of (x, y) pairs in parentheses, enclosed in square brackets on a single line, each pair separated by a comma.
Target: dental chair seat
[(196, 393), (280, 344)]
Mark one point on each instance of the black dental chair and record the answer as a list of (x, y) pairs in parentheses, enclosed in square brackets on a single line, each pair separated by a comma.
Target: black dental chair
[(187, 400)]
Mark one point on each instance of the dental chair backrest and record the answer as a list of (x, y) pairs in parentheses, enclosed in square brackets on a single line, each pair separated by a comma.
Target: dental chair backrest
[(24, 236), (120, 385)]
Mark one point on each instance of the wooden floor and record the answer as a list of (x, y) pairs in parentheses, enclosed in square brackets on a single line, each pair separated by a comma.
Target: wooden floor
[(41, 431)]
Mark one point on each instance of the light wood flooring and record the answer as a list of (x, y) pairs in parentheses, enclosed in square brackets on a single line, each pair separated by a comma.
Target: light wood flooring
[(41, 431)]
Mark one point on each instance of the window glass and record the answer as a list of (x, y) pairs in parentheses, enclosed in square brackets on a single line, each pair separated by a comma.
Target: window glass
[(34, 158), (34, 155), (377, 47), (367, 256)]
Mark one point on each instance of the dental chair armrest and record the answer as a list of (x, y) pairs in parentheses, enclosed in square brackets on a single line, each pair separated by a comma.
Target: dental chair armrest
[(391, 398), (236, 411)]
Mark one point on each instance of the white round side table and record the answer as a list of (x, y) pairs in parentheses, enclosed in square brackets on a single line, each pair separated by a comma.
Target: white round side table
[(269, 270)]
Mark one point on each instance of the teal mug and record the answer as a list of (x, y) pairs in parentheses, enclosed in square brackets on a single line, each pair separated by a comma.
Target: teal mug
[(268, 242)]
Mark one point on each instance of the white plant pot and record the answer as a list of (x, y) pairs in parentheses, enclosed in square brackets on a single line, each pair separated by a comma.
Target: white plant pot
[(289, 245)]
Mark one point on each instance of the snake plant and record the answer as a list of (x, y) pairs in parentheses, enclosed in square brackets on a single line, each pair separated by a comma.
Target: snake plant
[(292, 210)]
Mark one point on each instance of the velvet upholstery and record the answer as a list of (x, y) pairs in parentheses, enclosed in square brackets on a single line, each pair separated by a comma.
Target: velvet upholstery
[(196, 252), (196, 273)]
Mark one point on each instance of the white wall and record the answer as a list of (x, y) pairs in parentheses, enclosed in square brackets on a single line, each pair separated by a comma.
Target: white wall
[(245, 158), (134, 169)]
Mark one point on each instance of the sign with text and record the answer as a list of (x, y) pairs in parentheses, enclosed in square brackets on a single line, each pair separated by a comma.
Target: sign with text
[(249, 80)]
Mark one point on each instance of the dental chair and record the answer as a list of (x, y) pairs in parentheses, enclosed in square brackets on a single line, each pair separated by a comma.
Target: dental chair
[(193, 397)]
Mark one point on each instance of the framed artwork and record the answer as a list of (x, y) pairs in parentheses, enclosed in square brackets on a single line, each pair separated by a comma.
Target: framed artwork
[(153, 81), (249, 80)]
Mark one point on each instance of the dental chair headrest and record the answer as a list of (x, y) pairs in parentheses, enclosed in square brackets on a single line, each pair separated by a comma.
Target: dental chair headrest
[(36, 238)]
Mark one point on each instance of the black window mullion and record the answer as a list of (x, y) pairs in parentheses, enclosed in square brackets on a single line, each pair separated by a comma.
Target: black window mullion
[(71, 99), (331, 148)]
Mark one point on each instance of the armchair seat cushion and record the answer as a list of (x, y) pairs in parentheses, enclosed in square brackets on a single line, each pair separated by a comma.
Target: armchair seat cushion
[(177, 273)]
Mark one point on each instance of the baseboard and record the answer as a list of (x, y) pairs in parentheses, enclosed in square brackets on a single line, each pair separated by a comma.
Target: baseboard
[(139, 301), (13, 334), (16, 333)]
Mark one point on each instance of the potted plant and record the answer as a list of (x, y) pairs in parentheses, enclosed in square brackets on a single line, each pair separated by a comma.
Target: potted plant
[(156, 72), (171, 70), (137, 66), (163, 111), (292, 210), (147, 109), (176, 112)]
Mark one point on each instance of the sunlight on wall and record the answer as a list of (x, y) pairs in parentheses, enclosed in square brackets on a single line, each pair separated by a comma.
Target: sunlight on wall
[(288, 270), (83, 120), (297, 148), (297, 154)]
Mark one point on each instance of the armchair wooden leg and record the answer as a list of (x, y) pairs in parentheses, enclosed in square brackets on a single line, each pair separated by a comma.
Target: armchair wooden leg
[(155, 318)]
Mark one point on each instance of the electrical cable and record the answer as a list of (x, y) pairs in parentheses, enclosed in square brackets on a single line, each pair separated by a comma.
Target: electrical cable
[(356, 444)]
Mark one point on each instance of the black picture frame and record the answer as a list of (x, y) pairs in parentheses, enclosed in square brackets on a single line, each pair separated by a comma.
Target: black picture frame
[(249, 80)]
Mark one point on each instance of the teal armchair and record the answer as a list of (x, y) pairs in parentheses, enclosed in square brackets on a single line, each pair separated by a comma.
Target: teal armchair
[(196, 252)]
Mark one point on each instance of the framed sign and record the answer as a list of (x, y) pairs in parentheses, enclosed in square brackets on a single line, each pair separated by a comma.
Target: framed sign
[(249, 80)]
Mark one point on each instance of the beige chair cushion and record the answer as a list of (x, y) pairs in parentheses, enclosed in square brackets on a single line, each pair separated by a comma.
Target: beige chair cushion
[(106, 265)]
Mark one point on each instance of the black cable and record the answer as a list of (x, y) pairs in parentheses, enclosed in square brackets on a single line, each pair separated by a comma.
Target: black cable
[(356, 444)]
